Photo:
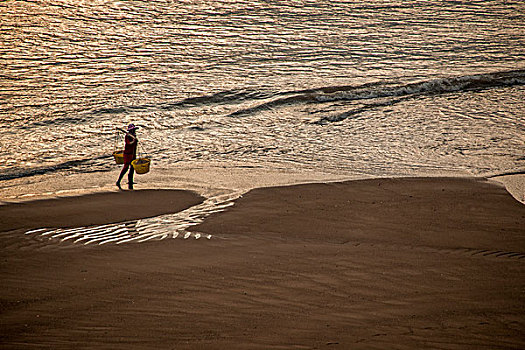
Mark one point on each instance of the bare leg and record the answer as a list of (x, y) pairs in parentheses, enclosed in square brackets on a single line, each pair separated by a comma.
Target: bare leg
[(122, 173), (130, 177)]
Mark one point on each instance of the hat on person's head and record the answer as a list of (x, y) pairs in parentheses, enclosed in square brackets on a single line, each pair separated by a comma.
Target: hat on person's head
[(132, 127)]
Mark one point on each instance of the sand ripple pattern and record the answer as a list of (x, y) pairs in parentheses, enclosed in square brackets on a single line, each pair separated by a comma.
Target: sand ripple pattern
[(468, 252), (143, 230)]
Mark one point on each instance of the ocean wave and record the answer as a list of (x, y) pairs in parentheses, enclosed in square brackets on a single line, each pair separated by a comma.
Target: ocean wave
[(436, 86), (368, 91), (79, 165), (342, 116), (235, 96), (223, 97), (390, 90)]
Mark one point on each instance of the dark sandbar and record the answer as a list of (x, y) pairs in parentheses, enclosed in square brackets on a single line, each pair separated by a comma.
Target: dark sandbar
[(439, 212), (94, 209)]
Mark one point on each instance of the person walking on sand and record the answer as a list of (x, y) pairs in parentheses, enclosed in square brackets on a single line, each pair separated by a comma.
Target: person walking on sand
[(130, 153)]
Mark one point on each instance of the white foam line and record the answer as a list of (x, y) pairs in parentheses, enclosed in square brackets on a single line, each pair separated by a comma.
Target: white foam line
[(75, 229), (173, 221), (158, 219), (148, 238), (52, 231), (164, 232), (127, 240), (90, 233), (72, 236), (149, 221), (61, 234), (104, 239), (153, 229), (179, 225), (189, 217), (117, 238), (194, 216), (118, 230), (161, 231), (81, 239), (188, 224), (69, 232), (97, 229), (106, 233), (85, 237), (35, 231), (133, 238), (103, 226), (98, 239), (216, 211), (145, 227), (225, 205)]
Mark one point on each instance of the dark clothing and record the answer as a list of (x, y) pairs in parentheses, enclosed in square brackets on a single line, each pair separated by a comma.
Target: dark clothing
[(130, 153), (130, 174), (130, 149)]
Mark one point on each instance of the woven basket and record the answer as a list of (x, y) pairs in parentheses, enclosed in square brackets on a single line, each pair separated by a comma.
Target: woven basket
[(119, 157), (141, 165)]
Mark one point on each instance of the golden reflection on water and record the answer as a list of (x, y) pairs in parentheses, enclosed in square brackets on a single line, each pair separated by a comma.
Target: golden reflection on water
[(73, 70)]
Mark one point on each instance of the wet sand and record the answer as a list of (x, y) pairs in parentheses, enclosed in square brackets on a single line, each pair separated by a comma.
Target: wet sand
[(371, 264), (94, 208)]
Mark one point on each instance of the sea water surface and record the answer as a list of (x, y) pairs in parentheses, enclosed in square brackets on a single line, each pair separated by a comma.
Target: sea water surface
[(372, 88)]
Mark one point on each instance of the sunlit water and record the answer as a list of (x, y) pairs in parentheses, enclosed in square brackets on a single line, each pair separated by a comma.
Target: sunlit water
[(373, 88), (358, 87)]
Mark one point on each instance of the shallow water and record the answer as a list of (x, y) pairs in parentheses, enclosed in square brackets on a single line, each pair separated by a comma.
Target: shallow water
[(339, 87), (176, 225)]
